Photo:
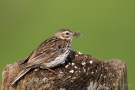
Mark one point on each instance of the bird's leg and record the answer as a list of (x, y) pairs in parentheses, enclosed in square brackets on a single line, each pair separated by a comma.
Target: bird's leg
[(52, 71), (44, 67)]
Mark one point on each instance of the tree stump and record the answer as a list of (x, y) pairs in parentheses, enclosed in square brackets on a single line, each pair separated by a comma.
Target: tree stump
[(80, 72)]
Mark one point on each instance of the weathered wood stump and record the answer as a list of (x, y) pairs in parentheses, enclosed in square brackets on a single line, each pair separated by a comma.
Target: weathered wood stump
[(80, 72)]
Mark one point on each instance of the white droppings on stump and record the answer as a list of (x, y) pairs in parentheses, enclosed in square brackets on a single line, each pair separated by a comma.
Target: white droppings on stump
[(92, 72), (79, 52), (73, 64), (83, 63), (66, 66), (71, 71), (91, 62), (75, 67)]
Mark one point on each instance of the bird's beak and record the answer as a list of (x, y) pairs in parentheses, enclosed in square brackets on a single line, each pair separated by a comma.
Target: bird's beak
[(77, 34)]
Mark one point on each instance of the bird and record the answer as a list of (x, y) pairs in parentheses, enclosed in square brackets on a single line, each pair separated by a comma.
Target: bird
[(49, 54)]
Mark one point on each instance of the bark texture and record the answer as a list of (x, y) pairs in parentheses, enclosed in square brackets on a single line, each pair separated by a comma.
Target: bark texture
[(80, 72)]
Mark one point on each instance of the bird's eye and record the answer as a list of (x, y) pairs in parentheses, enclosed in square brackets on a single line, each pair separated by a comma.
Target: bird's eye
[(67, 33)]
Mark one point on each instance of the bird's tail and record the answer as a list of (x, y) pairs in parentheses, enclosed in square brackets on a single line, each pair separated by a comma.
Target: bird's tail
[(19, 75)]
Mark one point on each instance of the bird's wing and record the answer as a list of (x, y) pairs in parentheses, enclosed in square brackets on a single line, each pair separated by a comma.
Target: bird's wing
[(49, 49)]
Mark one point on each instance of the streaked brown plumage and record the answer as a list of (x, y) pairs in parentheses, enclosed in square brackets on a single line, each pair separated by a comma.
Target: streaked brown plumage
[(49, 53)]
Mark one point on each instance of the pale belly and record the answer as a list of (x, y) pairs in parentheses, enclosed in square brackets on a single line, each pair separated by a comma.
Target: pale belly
[(58, 60)]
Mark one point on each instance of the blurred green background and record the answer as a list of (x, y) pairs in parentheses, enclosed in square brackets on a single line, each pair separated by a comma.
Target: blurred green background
[(108, 28)]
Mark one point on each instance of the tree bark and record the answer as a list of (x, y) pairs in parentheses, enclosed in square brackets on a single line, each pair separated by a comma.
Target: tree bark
[(80, 72)]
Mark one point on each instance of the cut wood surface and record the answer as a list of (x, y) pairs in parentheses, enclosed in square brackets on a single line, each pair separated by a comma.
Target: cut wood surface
[(80, 72)]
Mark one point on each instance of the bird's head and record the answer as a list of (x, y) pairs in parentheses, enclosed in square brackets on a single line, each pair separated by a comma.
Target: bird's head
[(66, 34)]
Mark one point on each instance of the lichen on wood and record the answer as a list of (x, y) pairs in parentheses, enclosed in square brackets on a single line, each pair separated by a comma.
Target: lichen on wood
[(80, 72)]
